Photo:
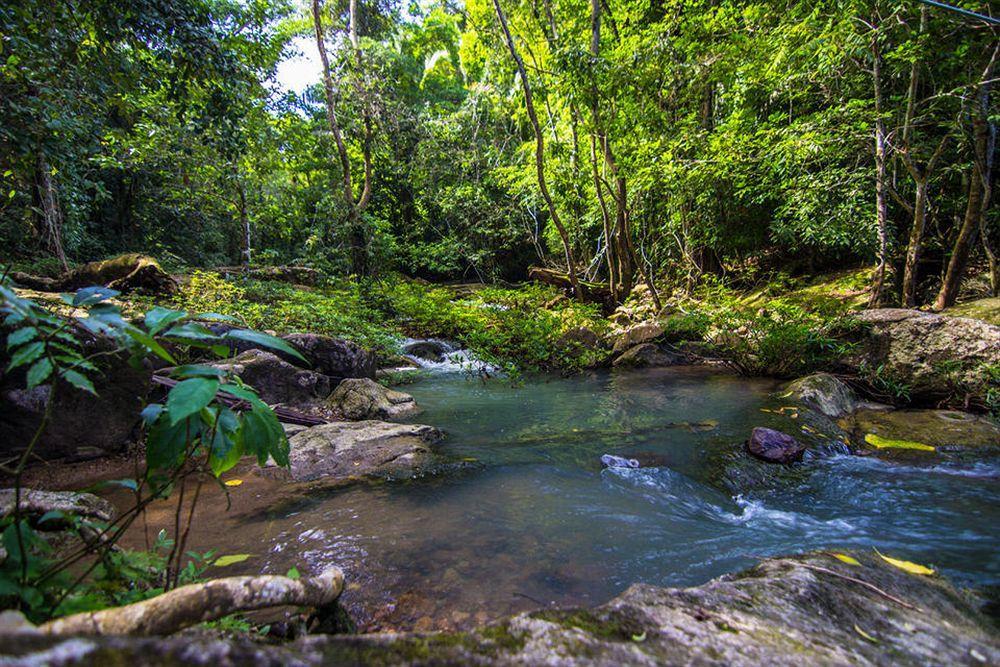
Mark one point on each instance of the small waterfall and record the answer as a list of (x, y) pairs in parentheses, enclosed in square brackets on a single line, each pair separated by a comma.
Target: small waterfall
[(442, 356)]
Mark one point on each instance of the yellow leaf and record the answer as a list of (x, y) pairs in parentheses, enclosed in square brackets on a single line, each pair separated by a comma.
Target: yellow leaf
[(905, 565), (639, 638), (846, 559), (233, 482), (879, 442), (865, 634), (223, 561)]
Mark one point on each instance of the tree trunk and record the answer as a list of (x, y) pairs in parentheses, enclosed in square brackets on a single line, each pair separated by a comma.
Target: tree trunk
[(881, 203), (244, 224), (980, 193), (915, 245), (50, 223), (356, 231), (539, 151), (197, 603)]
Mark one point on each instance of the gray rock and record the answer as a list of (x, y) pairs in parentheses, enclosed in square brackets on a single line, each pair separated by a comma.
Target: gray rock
[(800, 610), (428, 350), (361, 398), (276, 380), (932, 354), (644, 332), (35, 503), (774, 446), (826, 394), (80, 423), (342, 451), (647, 355), (333, 356)]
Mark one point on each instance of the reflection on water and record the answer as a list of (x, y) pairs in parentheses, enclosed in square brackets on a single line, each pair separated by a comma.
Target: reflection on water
[(536, 521)]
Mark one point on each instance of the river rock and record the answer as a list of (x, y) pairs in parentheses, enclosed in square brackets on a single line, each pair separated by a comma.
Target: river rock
[(361, 398), (799, 610), (36, 503), (333, 356), (644, 332), (826, 394), (934, 355), (774, 446), (646, 355), (937, 428), (340, 451), (81, 424), (276, 380), (428, 350)]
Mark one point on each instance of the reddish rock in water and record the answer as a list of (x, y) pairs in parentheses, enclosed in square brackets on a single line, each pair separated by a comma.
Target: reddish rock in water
[(774, 446)]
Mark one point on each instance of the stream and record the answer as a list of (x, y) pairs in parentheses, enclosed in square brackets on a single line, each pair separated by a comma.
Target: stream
[(527, 517)]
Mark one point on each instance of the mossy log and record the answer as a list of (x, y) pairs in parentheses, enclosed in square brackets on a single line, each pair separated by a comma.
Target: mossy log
[(125, 273), (594, 292), (198, 603), (296, 275)]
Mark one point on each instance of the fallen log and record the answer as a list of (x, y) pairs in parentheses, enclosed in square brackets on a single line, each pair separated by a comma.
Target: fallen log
[(285, 415), (197, 603), (595, 292), (125, 273)]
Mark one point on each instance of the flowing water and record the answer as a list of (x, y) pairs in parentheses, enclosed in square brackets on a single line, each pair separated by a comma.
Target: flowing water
[(527, 517)]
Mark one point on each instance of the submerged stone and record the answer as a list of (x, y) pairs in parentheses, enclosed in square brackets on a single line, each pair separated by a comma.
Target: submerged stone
[(774, 446)]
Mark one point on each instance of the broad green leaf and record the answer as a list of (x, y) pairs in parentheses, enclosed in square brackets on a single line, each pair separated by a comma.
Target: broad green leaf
[(223, 561), (157, 318), (79, 381), (265, 340), (293, 573), (91, 295), (52, 515), (149, 343), (26, 354), (189, 396), (151, 413), (166, 443), (39, 372), (885, 443), (905, 565), (21, 336), (191, 331)]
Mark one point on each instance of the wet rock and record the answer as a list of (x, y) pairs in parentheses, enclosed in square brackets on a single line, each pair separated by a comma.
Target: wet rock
[(428, 350), (784, 611), (333, 356), (36, 503), (80, 423), (938, 428), (645, 332), (341, 451), (934, 355), (774, 446), (361, 398), (276, 380), (647, 355), (826, 394)]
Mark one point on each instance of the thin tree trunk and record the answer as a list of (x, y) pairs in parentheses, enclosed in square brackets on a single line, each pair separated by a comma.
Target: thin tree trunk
[(539, 151), (915, 245), (881, 203), (50, 228), (980, 193), (245, 224)]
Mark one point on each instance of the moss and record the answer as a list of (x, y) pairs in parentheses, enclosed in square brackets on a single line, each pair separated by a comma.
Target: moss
[(609, 629), (987, 310)]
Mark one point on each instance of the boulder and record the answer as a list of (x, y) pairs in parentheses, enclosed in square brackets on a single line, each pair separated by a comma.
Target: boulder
[(948, 429), (810, 609), (825, 394), (774, 446), (81, 425), (341, 451), (361, 398), (935, 356), (276, 380), (428, 350), (647, 355), (36, 503), (335, 357), (644, 332)]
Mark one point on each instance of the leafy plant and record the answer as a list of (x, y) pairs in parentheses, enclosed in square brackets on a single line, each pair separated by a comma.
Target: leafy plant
[(208, 421)]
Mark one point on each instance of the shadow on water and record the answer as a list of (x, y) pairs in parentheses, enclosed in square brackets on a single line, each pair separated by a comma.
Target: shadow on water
[(535, 521)]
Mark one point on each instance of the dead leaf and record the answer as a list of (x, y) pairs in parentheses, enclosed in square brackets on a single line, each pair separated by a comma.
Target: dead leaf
[(233, 482), (850, 560), (905, 565), (223, 561), (865, 634)]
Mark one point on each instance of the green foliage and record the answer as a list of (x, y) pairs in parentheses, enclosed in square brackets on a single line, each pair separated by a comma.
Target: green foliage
[(193, 432)]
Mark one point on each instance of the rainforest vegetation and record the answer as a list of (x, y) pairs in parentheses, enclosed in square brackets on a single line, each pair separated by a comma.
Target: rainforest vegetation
[(597, 237)]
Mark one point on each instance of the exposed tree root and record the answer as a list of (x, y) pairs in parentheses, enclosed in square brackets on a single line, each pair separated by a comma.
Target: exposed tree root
[(198, 603)]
